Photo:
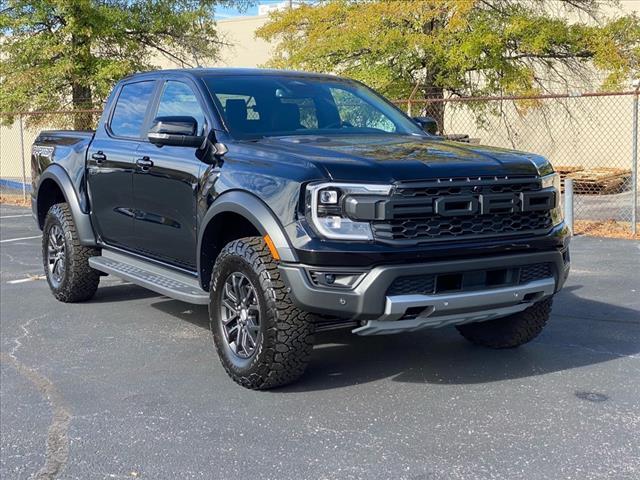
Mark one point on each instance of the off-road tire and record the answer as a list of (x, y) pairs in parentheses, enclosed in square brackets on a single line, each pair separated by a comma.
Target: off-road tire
[(80, 281), (286, 332), (511, 331)]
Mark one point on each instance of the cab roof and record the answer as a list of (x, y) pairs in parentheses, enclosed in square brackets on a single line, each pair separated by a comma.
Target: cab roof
[(230, 72)]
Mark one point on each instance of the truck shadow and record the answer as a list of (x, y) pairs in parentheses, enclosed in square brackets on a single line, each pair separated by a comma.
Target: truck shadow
[(581, 332), (121, 292)]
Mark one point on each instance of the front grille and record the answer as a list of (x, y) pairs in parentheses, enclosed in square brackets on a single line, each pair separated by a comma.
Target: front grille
[(412, 216), (537, 271), (453, 227)]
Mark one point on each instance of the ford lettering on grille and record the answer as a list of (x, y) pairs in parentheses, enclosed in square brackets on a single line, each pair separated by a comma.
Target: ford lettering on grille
[(466, 205)]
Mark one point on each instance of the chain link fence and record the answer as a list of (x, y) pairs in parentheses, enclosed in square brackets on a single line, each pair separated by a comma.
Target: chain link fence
[(588, 137), (18, 130)]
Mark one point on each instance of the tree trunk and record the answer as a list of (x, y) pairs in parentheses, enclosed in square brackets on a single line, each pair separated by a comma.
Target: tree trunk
[(81, 94), (430, 91), (81, 100)]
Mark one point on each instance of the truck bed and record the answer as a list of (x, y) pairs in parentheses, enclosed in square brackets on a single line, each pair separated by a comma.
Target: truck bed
[(67, 148)]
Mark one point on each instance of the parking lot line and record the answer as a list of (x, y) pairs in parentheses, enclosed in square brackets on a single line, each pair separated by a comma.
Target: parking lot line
[(18, 239), (31, 278), (15, 216)]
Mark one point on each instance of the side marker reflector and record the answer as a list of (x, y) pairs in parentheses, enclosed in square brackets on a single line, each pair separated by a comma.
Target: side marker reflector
[(272, 247)]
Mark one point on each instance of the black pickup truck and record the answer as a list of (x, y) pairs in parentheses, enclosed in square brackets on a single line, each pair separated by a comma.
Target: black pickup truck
[(292, 203)]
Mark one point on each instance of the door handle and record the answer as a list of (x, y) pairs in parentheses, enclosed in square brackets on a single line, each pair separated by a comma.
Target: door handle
[(145, 163), (99, 157)]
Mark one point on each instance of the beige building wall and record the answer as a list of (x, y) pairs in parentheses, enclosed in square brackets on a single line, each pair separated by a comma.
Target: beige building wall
[(588, 132), (244, 50)]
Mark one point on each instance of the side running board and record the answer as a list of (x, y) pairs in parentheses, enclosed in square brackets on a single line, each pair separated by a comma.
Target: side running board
[(148, 275)]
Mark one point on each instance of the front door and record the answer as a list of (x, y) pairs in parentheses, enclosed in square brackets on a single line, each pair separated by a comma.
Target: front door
[(165, 185), (111, 162)]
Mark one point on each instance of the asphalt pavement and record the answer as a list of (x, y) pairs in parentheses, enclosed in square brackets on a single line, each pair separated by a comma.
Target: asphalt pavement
[(128, 385)]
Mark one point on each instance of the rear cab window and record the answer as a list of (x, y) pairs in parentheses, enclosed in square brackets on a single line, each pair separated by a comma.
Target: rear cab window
[(130, 110)]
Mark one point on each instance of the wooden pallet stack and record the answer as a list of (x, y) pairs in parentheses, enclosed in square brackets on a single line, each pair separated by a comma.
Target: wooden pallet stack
[(596, 181)]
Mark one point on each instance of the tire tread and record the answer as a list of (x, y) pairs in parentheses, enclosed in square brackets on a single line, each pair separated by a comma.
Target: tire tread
[(511, 331)]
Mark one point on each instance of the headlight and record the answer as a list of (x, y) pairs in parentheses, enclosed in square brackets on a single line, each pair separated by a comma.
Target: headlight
[(325, 208), (553, 181)]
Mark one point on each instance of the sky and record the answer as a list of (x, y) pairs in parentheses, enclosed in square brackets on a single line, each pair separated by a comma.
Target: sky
[(223, 13)]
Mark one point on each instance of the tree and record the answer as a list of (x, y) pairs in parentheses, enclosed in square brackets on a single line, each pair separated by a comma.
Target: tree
[(434, 48), (56, 54)]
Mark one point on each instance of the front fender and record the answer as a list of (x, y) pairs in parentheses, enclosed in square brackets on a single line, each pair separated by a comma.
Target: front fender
[(254, 210), (81, 219)]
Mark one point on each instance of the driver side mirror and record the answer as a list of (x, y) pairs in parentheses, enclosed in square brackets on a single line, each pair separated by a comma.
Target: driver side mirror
[(178, 131), (428, 124)]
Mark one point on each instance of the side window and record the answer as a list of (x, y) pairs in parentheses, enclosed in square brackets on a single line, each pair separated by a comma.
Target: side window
[(128, 115), (355, 112), (179, 100)]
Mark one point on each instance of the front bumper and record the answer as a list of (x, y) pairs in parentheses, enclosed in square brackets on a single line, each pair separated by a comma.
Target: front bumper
[(377, 311)]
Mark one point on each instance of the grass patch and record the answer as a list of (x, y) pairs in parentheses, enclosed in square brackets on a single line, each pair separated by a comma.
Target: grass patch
[(608, 229), (10, 199)]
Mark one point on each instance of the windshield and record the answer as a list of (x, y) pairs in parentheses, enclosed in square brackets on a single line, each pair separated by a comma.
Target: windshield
[(259, 106)]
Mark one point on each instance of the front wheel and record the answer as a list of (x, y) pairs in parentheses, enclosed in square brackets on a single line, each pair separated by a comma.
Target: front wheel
[(263, 340), (511, 331), (66, 261)]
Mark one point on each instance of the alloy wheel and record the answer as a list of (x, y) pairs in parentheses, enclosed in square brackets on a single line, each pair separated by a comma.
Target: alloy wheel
[(56, 254), (240, 315)]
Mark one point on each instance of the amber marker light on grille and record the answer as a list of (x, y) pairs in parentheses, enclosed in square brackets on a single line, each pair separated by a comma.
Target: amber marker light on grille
[(272, 247)]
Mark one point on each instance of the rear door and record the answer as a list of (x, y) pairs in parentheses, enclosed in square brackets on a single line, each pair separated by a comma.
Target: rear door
[(111, 162), (166, 183)]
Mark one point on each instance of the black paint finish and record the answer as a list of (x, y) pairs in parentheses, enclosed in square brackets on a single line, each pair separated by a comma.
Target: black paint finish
[(165, 203), (110, 165)]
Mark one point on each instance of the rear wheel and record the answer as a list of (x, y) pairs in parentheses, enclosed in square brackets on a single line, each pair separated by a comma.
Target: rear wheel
[(262, 339), (66, 261), (511, 331)]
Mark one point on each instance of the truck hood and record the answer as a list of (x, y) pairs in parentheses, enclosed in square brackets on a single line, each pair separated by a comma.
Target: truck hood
[(391, 158)]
